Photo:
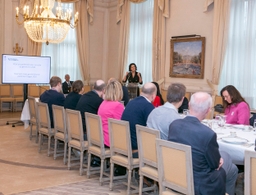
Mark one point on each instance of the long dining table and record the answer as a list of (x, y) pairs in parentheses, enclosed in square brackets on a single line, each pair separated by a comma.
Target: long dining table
[(25, 115), (234, 139)]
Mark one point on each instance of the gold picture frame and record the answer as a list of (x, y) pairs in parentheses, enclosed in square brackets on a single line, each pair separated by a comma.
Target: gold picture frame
[(187, 57)]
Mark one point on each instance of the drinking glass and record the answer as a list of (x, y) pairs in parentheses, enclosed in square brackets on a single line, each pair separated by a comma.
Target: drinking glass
[(220, 121), (185, 112)]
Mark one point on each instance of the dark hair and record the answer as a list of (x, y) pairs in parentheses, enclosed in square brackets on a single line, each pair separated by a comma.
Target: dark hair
[(54, 81), (131, 66), (77, 86), (158, 92), (176, 92), (234, 95)]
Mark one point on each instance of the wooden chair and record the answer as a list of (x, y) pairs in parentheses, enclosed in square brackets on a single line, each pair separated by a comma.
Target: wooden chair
[(250, 172), (60, 128), (44, 88), (33, 122), (188, 95), (33, 91), (75, 137), (164, 94), (175, 170), (17, 95), (146, 139), (121, 151), (44, 126), (6, 96), (96, 144)]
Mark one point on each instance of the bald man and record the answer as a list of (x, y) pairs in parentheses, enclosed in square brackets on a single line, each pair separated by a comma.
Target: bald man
[(137, 111), (213, 170), (90, 101)]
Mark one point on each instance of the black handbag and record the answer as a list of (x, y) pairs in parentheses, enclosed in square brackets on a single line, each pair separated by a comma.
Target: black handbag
[(219, 108)]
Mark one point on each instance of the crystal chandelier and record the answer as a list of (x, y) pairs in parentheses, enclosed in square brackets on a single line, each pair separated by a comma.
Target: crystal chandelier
[(43, 26)]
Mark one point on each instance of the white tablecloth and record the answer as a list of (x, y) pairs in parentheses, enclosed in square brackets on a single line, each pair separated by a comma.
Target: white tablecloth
[(236, 151), (25, 115)]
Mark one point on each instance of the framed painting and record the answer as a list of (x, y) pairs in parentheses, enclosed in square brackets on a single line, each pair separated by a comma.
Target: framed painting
[(187, 57)]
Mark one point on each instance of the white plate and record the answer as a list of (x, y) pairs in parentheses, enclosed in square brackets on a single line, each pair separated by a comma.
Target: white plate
[(234, 140), (235, 126)]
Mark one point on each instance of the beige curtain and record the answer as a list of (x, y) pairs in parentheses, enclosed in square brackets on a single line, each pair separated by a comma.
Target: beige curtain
[(85, 8), (161, 12), (123, 17), (220, 30)]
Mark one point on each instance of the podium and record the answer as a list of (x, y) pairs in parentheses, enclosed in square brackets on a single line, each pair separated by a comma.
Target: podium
[(133, 90)]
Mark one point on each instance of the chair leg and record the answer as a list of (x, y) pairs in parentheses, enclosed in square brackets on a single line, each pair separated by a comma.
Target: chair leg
[(101, 171), (129, 182), (40, 142), (81, 162), (55, 149), (37, 133), (111, 175), (141, 184), (49, 146), (65, 153), (88, 165), (69, 157)]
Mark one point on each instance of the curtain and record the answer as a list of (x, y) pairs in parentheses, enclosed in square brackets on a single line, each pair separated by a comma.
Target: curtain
[(239, 59), (161, 12), (220, 29), (123, 17)]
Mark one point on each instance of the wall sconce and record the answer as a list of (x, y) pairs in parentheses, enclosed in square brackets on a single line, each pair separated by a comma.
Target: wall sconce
[(17, 49)]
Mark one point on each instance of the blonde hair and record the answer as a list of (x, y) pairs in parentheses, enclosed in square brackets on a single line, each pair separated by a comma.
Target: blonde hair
[(113, 91)]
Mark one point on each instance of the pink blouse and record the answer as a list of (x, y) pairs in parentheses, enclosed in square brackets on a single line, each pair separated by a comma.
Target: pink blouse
[(238, 114), (109, 109)]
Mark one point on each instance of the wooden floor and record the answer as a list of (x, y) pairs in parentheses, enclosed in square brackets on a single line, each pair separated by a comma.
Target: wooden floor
[(6, 114)]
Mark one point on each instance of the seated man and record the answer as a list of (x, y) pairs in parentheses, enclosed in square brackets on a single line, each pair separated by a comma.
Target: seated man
[(67, 84), (53, 96), (158, 119), (137, 111), (90, 101), (213, 170)]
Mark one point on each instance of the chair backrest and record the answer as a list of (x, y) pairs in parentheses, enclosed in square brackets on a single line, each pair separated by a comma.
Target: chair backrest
[(146, 139), (188, 95), (175, 169), (42, 89), (5, 90), (17, 90), (250, 172), (43, 115), (33, 91), (32, 107), (74, 125), (59, 118), (119, 137), (94, 130)]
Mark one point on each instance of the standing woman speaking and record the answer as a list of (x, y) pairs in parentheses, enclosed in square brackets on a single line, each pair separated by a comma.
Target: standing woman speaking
[(133, 76)]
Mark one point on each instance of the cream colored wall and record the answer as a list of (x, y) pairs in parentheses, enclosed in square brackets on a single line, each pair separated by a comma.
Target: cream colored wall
[(187, 17)]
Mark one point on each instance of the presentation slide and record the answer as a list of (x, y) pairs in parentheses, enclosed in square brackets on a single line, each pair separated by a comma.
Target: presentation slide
[(25, 69)]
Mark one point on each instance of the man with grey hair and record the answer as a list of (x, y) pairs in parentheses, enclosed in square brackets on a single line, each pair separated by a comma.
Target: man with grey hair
[(161, 117), (90, 101), (213, 171), (137, 111)]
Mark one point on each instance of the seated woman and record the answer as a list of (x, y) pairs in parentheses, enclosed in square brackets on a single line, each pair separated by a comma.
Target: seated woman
[(235, 107), (159, 99), (111, 106), (75, 94)]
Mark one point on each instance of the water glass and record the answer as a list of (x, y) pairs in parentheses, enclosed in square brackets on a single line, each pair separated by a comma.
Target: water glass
[(220, 121), (185, 112)]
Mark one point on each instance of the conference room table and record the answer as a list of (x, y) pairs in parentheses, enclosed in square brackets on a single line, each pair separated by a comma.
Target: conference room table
[(234, 139), (25, 115)]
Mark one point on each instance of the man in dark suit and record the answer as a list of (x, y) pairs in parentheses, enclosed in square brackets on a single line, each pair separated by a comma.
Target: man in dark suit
[(90, 101), (137, 111), (53, 96), (67, 84), (214, 173)]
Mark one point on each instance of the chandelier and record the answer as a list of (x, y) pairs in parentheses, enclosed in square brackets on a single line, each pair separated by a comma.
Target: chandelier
[(43, 26)]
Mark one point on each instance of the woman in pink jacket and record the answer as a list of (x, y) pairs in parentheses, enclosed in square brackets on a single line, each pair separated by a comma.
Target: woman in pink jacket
[(111, 106), (236, 108)]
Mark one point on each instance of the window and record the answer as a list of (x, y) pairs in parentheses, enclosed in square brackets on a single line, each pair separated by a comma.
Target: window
[(140, 41), (64, 57), (239, 68)]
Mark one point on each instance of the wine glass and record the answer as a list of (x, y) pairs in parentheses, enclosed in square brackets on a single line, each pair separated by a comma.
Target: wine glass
[(220, 120)]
